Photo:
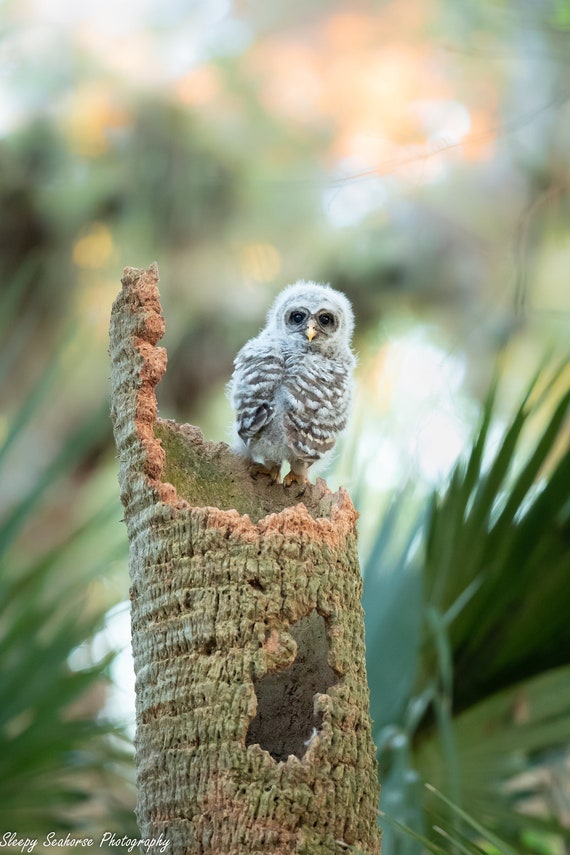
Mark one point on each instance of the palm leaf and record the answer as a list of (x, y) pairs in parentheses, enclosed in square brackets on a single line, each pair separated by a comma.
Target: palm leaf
[(506, 621), (468, 836), (56, 750), (392, 604), (492, 595), (499, 537)]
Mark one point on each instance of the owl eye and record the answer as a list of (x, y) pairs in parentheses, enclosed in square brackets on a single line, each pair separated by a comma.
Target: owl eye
[(297, 317), (326, 319)]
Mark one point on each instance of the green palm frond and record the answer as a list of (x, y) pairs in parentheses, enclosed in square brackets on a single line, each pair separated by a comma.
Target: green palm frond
[(504, 744), (61, 760), (392, 601), (466, 835), (469, 639), (505, 533)]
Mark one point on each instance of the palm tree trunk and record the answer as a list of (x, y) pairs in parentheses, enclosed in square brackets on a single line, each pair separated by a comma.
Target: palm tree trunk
[(253, 727)]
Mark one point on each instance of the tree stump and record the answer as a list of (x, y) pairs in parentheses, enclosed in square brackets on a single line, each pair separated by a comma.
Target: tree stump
[(252, 709)]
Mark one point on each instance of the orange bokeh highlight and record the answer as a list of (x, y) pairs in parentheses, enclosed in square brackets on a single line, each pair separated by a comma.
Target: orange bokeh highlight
[(201, 86), (358, 77), (92, 112)]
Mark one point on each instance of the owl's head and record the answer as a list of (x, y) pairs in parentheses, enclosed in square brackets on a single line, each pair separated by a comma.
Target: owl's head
[(315, 316)]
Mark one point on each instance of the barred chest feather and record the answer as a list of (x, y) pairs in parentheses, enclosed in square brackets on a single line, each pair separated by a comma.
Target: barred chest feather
[(292, 384), (316, 398)]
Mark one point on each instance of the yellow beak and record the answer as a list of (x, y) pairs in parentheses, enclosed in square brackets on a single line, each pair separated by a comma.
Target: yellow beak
[(311, 330)]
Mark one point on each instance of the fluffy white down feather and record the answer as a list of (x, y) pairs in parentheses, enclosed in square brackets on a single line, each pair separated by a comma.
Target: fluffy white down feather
[(292, 384)]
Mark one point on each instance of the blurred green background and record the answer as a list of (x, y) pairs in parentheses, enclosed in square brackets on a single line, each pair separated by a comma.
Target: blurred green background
[(414, 154)]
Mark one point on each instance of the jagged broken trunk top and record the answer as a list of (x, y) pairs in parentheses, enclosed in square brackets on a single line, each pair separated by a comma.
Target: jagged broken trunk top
[(253, 728)]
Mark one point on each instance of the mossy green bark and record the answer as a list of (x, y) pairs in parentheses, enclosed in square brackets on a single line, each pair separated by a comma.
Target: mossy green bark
[(209, 474), (253, 728)]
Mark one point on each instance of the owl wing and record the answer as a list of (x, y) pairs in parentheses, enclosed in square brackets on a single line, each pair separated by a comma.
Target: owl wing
[(257, 374), (318, 399)]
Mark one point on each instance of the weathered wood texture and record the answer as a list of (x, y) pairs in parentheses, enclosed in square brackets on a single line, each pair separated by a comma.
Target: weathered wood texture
[(253, 728)]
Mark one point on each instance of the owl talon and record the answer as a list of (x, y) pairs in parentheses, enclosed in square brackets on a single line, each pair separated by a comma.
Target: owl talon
[(294, 478), (274, 472)]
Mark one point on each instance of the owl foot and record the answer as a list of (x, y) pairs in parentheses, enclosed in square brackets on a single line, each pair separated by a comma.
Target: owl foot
[(274, 472), (294, 478)]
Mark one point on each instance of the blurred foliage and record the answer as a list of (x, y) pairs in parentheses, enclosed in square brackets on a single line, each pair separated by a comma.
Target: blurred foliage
[(414, 153), (63, 763), (467, 635)]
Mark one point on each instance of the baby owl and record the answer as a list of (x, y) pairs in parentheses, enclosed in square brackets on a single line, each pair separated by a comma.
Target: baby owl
[(292, 384)]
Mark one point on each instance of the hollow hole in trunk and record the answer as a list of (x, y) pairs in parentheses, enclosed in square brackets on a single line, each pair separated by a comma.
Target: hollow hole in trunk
[(285, 722)]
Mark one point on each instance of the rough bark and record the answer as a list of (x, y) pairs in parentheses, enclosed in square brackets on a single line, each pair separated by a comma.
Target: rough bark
[(253, 728)]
